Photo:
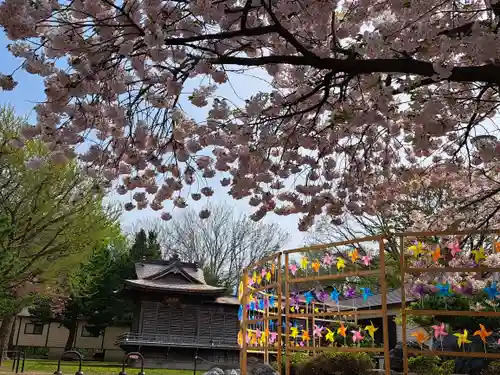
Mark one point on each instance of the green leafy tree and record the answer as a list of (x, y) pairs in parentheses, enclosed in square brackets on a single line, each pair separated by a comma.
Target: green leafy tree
[(52, 218)]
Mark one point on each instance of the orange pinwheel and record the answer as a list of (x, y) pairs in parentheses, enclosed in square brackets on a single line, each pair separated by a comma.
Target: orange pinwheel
[(497, 247), (316, 265), (436, 254), (342, 330), (421, 336), (482, 333), (354, 255), (305, 336)]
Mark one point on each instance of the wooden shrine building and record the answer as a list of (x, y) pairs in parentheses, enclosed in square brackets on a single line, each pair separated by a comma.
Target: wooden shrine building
[(179, 317)]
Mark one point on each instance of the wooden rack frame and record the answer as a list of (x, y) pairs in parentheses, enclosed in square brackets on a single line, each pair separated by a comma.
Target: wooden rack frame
[(283, 267), (283, 280), (405, 311)]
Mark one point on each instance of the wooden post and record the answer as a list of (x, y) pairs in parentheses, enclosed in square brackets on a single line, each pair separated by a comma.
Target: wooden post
[(266, 329), (287, 320), (244, 348), (385, 322), (313, 326), (402, 268), (279, 303)]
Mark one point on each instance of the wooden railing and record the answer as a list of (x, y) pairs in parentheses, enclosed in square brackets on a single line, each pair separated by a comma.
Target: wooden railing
[(177, 341)]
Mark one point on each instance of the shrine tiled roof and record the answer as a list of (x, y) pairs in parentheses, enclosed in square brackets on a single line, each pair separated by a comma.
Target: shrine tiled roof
[(175, 287)]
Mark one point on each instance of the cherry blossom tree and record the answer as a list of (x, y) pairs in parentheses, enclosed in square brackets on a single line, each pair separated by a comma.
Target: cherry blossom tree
[(363, 95)]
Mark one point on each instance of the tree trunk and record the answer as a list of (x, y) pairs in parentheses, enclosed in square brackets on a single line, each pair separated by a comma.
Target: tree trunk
[(5, 329), (72, 334)]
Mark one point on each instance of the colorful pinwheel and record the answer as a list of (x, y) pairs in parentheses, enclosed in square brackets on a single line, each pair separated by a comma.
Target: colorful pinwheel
[(454, 248), (366, 292), (293, 268), (304, 261), (416, 249), (357, 336), (309, 297), (334, 295), (478, 255), (330, 336), (436, 254), (462, 339), (340, 263), (327, 259), (354, 255), (317, 332), (367, 260), (492, 291), (316, 266)]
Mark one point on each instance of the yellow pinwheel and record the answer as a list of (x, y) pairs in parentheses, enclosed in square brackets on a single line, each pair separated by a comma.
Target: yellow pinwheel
[(268, 276), (416, 249), (259, 279), (478, 254), (304, 262), (294, 332), (354, 255), (340, 263), (371, 329), (462, 338), (330, 336)]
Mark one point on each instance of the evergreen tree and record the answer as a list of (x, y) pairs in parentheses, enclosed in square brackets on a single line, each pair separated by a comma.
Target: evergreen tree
[(145, 247)]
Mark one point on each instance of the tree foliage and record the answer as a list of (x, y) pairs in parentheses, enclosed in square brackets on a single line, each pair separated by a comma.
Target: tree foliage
[(223, 244), (359, 97)]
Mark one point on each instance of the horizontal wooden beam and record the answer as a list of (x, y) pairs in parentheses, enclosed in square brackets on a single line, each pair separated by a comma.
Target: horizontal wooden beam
[(441, 353), (351, 349), (447, 233), (332, 314), (452, 269), (334, 244), (453, 313), (335, 276)]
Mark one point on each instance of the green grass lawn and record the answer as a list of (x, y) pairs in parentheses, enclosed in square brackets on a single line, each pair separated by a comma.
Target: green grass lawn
[(89, 368)]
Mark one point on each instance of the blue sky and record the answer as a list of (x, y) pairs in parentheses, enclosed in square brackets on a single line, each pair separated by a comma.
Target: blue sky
[(30, 90)]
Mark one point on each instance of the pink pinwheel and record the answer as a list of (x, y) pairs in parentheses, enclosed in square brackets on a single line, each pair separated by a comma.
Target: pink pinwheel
[(258, 333), (357, 336), (293, 268), (263, 272), (367, 260), (317, 332), (454, 248), (272, 337), (327, 259), (439, 331), (248, 339)]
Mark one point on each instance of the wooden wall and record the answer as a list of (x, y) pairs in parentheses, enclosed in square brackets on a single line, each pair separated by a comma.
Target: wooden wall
[(189, 319)]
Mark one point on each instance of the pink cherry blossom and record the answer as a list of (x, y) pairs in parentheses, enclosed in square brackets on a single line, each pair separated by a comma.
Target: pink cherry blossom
[(349, 122)]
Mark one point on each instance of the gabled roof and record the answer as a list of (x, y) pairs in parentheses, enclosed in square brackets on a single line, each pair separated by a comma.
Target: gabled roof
[(154, 276)]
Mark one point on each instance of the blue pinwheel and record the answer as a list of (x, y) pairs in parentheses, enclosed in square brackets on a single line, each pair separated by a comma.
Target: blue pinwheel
[(334, 295), (240, 313), (492, 291), (366, 292), (271, 301), (261, 304), (444, 290), (271, 324), (252, 305), (309, 297)]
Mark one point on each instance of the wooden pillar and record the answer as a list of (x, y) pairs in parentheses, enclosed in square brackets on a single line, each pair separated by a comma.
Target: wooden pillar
[(287, 319), (243, 357), (279, 304), (385, 318), (403, 303)]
